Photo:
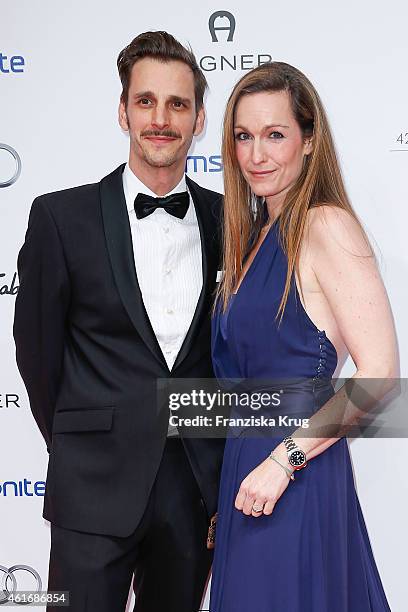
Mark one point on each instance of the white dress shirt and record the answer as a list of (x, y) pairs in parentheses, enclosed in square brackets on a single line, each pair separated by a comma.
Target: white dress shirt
[(168, 263)]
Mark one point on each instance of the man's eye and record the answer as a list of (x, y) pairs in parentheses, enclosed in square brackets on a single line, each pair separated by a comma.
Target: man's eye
[(178, 104), (144, 101), (241, 136)]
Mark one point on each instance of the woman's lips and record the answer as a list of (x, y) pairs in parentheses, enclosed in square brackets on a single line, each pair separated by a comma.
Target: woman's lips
[(261, 174)]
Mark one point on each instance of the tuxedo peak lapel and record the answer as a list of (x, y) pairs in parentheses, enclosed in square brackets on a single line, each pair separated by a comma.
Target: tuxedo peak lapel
[(119, 242)]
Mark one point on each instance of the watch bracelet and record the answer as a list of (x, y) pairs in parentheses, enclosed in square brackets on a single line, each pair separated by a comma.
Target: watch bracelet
[(289, 443)]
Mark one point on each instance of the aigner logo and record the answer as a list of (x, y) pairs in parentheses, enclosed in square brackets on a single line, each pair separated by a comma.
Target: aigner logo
[(7, 181), (11, 289), (9, 399), (230, 28), (224, 21)]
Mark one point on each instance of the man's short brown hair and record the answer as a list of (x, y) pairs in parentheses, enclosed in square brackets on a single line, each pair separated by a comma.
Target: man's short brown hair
[(163, 47)]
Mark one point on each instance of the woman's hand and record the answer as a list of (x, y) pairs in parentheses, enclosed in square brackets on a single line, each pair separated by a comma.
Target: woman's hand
[(262, 488)]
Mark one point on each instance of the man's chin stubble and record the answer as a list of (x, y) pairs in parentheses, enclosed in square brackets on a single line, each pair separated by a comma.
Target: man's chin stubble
[(159, 162)]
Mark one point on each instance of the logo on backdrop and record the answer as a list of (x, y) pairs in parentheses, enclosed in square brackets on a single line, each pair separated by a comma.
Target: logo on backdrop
[(218, 23), (22, 488), (202, 163), (8, 288), (14, 580), (6, 181), (9, 400), (230, 28), (15, 64)]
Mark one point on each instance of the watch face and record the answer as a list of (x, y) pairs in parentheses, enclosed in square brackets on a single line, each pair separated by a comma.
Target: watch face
[(297, 458)]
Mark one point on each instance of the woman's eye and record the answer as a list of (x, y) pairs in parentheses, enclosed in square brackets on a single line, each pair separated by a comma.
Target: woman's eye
[(241, 136), (276, 135)]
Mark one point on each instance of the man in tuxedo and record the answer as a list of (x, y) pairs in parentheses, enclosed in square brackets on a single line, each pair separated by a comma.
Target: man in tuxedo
[(116, 284)]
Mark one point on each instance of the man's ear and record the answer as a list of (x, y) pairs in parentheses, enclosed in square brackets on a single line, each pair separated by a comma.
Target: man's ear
[(200, 121), (122, 116)]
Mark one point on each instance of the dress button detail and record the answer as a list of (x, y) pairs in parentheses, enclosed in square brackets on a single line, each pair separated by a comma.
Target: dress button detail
[(321, 367)]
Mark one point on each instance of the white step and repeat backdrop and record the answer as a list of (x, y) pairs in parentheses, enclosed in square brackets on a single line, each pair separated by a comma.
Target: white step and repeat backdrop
[(59, 93)]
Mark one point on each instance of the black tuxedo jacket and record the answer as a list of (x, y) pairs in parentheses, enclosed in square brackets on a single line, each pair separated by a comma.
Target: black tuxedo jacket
[(90, 360)]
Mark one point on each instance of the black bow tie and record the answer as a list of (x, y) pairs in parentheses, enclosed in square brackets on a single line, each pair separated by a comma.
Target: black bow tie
[(175, 204)]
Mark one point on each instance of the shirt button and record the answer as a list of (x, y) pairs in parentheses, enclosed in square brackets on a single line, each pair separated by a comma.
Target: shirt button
[(168, 271), (169, 311), (166, 230)]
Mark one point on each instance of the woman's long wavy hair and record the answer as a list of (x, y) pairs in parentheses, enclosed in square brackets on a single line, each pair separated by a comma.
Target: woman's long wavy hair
[(320, 181)]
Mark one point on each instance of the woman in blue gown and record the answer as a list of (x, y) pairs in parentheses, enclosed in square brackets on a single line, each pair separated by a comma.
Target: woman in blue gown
[(300, 291)]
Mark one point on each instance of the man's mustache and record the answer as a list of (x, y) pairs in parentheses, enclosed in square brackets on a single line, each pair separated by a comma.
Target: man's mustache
[(166, 133)]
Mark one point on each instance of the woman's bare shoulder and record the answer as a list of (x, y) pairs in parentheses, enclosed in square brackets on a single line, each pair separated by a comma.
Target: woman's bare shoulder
[(332, 228)]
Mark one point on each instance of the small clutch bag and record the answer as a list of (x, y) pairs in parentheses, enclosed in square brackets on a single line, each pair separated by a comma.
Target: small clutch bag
[(211, 532)]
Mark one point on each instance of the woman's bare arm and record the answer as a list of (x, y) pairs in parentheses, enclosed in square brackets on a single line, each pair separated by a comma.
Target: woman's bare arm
[(348, 276)]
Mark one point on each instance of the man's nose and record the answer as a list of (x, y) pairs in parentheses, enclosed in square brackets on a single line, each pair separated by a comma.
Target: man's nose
[(160, 118)]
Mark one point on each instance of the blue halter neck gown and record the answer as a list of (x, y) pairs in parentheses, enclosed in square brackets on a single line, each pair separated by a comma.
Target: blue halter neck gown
[(313, 553)]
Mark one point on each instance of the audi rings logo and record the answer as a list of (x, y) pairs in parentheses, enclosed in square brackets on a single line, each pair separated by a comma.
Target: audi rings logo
[(6, 182), (230, 28), (11, 581)]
